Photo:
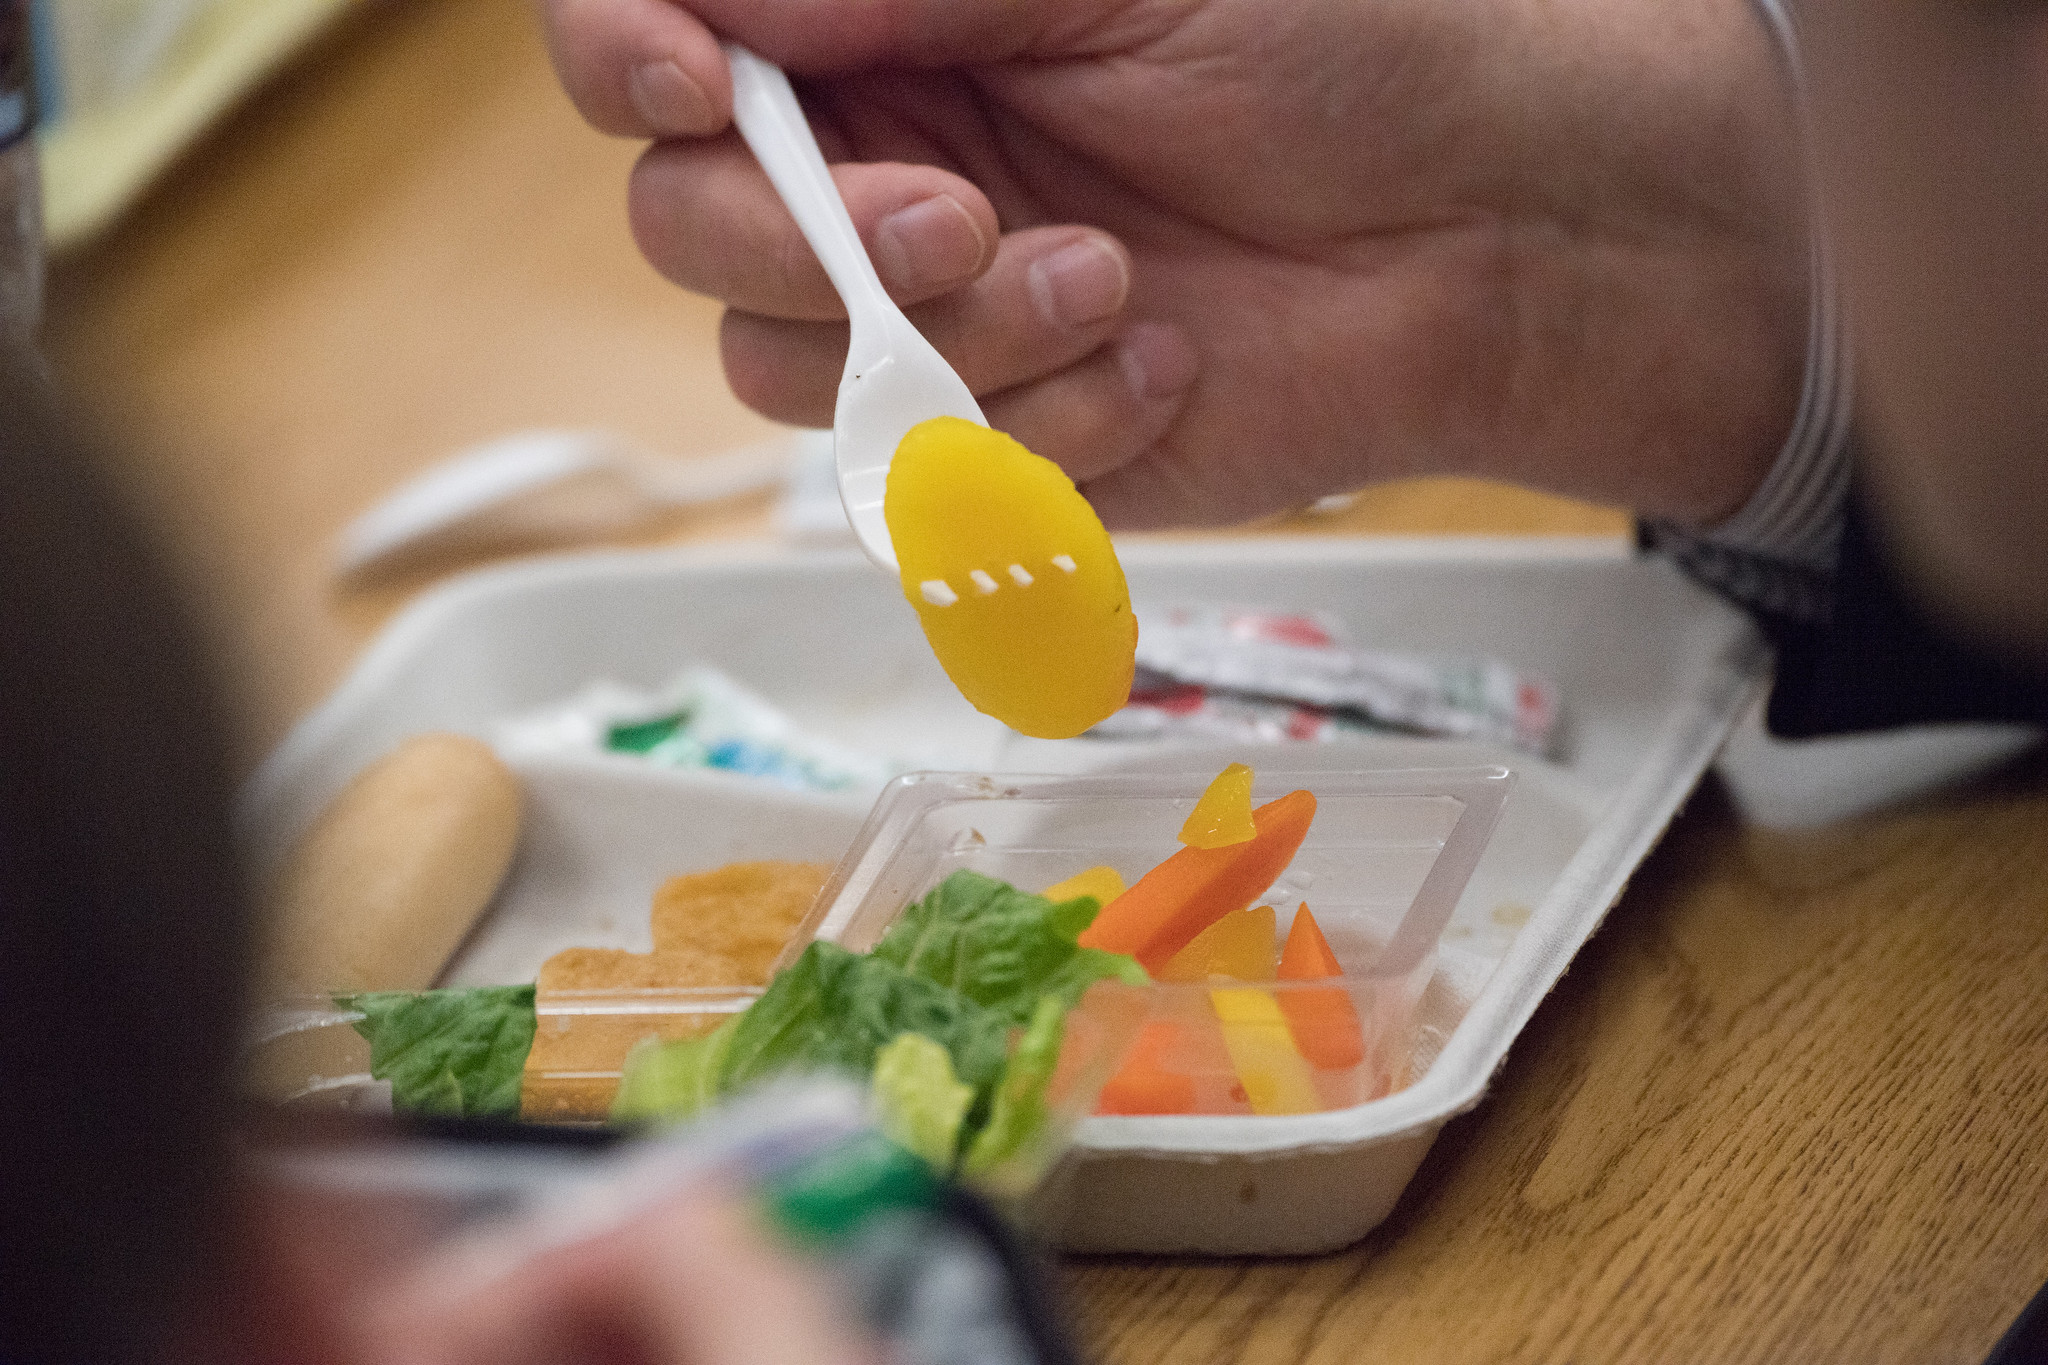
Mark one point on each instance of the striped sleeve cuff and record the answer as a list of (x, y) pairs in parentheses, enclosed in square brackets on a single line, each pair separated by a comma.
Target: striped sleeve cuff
[(1777, 553)]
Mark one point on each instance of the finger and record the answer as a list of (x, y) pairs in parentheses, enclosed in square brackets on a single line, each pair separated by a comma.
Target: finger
[(639, 68), (839, 35), (1053, 296), (1153, 492), (696, 1279), (536, 1312), (705, 215), (1097, 416), (836, 35), (743, 1299)]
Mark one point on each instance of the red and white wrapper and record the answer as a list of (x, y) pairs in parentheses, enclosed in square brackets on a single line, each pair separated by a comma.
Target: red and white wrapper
[(1231, 673)]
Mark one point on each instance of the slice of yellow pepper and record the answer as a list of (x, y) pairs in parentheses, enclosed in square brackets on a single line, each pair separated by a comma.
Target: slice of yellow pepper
[(1103, 882), (1275, 1078), (1224, 814), (1239, 946), (1013, 578)]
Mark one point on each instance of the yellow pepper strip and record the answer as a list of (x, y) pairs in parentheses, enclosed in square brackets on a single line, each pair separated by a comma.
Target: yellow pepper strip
[(1275, 1078), (1104, 883), (1224, 814), (1238, 946)]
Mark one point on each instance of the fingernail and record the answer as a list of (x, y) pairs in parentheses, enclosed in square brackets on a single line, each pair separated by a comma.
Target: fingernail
[(1078, 284), (1157, 361), (934, 241), (669, 100)]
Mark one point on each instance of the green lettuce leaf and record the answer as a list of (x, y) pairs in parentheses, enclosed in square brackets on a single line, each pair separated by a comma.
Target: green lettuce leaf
[(830, 1010), (834, 1010), (1002, 948), (1088, 966), (1020, 1115), (923, 1104), (441, 1095), (672, 1080), (928, 1017), (448, 1052)]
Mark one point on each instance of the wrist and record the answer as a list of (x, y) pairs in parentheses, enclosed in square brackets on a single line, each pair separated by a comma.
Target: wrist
[(1661, 292), (1794, 517)]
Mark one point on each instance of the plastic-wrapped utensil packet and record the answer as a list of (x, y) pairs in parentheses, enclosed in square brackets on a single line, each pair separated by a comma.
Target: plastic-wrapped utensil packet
[(1218, 672), (933, 1271), (701, 718)]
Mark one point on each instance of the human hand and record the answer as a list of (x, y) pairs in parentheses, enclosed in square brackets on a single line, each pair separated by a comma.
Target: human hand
[(1219, 258), (696, 1280)]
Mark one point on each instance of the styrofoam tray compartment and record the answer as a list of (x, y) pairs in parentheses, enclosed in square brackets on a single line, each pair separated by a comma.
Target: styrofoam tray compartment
[(1651, 669), (602, 834)]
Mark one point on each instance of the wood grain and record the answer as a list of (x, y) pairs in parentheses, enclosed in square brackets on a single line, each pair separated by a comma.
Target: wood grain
[(1788, 1106), (1753, 1124), (407, 243)]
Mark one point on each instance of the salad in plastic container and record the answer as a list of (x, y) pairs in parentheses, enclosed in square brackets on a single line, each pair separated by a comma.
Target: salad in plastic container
[(998, 957)]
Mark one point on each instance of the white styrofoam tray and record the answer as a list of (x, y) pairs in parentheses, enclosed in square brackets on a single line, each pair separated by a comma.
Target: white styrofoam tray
[(1653, 672)]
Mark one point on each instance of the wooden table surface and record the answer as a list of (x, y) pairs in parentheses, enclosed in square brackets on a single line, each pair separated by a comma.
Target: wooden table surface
[(1791, 1104)]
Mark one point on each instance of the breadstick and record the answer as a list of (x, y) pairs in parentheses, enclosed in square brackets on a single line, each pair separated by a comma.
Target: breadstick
[(381, 890)]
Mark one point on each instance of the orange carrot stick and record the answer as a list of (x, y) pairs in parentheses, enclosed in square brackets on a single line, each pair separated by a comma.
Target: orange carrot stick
[(1306, 955), (1143, 1085), (1324, 1023), (1194, 888)]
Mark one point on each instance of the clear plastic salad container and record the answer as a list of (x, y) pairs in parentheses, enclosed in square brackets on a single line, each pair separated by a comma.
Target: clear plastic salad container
[(1383, 863), (309, 1052), (1382, 866)]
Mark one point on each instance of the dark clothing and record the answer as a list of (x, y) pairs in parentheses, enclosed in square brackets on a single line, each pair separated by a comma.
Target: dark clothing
[(1879, 661), (1855, 651)]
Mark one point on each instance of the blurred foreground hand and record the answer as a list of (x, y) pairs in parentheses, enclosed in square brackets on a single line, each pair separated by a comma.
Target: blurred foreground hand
[(695, 1280)]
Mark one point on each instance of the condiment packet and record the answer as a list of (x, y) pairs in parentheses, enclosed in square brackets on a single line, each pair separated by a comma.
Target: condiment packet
[(701, 718), (1242, 674)]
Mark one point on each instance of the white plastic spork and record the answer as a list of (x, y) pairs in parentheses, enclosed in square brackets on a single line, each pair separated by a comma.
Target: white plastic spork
[(894, 378)]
